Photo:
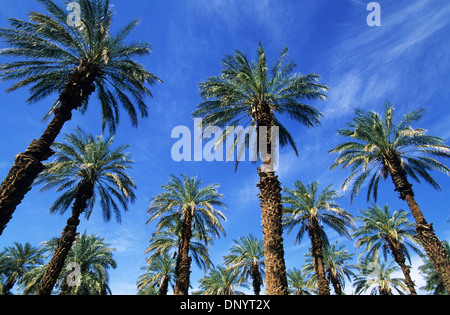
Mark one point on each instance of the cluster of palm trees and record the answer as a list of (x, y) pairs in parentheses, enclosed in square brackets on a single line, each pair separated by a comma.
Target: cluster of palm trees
[(80, 61), (22, 267), (386, 238)]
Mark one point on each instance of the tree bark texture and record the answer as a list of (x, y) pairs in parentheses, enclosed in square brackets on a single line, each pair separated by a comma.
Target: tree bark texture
[(183, 266), (317, 254), (425, 232)]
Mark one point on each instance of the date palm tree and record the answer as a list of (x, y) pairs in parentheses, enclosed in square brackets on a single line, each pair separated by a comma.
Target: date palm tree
[(185, 200), (160, 273), (169, 241), (380, 148), (310, 209), (247, 256), (222, 281), (376, 277), (299, 284), (384, 230), (92, 258), (85, 168), (18, 260), (336, 266), (73, 61), (249, 94)]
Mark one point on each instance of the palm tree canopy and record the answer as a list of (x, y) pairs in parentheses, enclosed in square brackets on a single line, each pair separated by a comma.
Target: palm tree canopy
[(336, 264), (160, 269), (235, 98), (381, 228), (185, 195), (246, 254), (94, 258), (299, 283), (168, 241), (376, 276), (306, 203), (223, 281), (50, 49), (376, 139), (88, 159)]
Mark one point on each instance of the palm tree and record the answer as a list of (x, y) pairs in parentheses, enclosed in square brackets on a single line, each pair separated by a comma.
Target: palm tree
[(74, 62), (222, 281), (380, 148), (168, 241), (247, 256), (298, 282), (309, 208), (18, 260), (184, 199), (85, 167), (387, 231), (249, 94), (160, 273), (377, 277), (433, 281), (336, 266), (92, 257)]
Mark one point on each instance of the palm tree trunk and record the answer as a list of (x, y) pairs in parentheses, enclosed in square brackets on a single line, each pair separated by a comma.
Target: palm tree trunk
[(28, 165), (271, 209), (164, 287), (335, 282), (183, 266), (84, 193), (256, 276), (425, 231), (317, 254), (400, 259)]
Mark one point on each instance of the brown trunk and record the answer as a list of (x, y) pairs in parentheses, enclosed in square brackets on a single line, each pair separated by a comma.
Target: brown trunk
[(164, 287), (425, 232), (256, 276), (317, 254), (28, 165), (271, 208), (336, 284), (183, 266), (400, 259), (83, 194)]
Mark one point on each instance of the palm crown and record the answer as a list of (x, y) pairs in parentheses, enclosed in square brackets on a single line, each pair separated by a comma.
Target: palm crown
[(246, 89), (51, 49), (377, 141), (381, 228), (306, 204), (88, 159)]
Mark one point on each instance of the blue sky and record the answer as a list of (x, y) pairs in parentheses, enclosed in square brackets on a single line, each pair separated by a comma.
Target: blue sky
[(405, 61)]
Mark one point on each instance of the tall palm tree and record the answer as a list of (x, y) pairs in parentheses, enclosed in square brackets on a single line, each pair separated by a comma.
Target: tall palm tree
[(18, 261), (169, 239), (384, 230), (184, 199), (159, 273), (298, 282), (74, 61), (86, 167), (309, 208), (376, 277), (222, 281), (249, 94), (379, 148), (247, 256), (336, 266)]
